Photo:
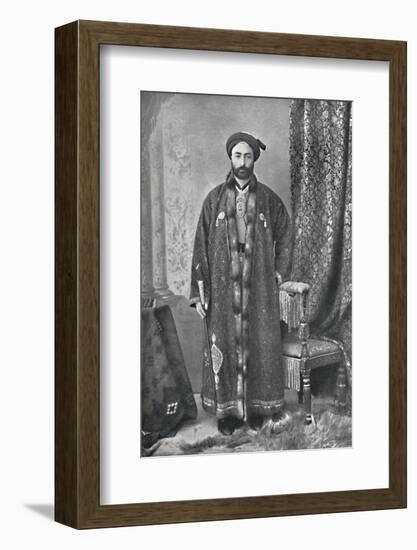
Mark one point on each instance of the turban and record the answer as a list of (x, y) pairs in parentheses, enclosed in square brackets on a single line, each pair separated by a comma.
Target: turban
[(253, 142)]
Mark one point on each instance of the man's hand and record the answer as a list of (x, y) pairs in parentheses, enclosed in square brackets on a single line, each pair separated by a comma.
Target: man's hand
[(279, 278), (200, 309)]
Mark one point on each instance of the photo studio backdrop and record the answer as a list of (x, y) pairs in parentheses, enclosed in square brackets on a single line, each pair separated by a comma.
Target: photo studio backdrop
[(183, 149)]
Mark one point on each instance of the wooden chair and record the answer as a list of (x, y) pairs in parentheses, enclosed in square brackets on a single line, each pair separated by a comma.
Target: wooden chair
[(301, 353)]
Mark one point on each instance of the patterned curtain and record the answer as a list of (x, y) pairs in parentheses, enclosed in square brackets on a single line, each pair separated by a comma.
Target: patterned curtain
[(321, 193)]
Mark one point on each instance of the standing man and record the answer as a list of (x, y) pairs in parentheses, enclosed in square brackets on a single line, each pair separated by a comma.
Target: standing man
[(241, 253)]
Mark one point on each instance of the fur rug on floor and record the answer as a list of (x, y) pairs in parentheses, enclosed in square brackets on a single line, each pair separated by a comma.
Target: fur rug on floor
[(329, 430)]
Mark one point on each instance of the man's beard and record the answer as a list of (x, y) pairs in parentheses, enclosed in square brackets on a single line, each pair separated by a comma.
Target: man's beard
[(243, 172)]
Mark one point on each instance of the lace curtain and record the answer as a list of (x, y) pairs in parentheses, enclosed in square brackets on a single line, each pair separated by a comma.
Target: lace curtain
[(321, 194)]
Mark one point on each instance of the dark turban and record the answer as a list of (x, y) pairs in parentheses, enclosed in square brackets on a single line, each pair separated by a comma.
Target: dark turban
[(255, 144)]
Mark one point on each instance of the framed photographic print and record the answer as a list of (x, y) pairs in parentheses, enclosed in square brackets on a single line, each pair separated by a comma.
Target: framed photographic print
[(230, 274)]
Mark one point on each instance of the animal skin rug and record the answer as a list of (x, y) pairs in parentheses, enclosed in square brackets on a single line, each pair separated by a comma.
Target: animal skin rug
[(329, 430)]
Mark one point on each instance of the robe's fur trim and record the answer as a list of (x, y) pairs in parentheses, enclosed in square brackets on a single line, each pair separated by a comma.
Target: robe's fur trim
[(241, 280)]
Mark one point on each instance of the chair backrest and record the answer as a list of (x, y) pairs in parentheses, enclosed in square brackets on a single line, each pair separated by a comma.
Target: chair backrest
[(293, 303)]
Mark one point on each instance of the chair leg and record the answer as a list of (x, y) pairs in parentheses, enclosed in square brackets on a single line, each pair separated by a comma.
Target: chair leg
[(305, 373), (300, 392), (341, 387)]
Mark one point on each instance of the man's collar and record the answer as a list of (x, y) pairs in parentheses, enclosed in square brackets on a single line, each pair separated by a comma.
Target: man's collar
[(243, 189), (231, 180), (251, 180)]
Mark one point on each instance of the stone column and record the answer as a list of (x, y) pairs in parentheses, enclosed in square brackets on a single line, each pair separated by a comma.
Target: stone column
[(147, 289), (156, 157)]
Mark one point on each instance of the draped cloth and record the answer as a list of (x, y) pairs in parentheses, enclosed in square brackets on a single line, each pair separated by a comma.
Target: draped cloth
[(321, 194), (167, 397)]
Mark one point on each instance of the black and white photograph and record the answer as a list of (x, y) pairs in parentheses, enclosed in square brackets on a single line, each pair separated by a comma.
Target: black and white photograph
[(246, 273), (209, 256)]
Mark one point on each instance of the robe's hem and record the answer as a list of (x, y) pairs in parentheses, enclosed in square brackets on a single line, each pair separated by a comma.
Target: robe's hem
[(233, 408), (267, 408), (221, 410)]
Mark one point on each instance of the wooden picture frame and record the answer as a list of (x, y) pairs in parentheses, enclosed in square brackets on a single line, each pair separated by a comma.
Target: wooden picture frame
[(77, 358)]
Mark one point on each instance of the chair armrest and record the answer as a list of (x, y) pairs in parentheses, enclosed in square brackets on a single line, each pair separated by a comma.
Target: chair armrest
[(147, 302), (292, 287)]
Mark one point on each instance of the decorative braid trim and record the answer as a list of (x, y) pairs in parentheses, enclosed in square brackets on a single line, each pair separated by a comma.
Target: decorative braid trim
[(266, 404), (222, 409), (228, 407)]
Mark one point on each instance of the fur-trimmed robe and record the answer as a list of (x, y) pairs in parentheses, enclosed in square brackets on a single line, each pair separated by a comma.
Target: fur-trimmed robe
[(242, 299)]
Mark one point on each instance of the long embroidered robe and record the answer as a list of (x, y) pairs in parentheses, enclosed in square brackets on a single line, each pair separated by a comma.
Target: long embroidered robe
[(242, 297)]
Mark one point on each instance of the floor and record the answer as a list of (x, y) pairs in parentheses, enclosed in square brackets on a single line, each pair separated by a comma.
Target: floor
[(201, 435)]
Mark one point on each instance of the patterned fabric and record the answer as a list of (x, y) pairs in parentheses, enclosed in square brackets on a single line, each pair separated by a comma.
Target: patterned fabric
[(167, 398), (321, 192)]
